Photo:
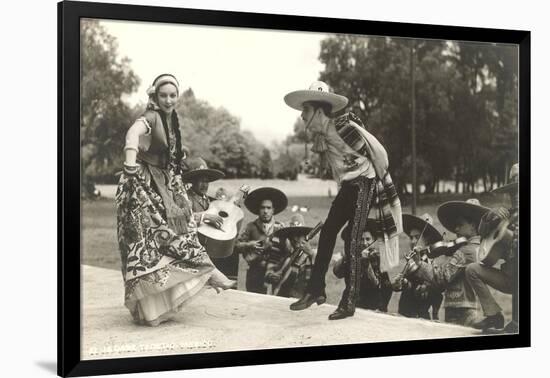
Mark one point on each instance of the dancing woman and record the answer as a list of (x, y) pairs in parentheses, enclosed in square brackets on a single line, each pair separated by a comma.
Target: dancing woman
[(163, 263)]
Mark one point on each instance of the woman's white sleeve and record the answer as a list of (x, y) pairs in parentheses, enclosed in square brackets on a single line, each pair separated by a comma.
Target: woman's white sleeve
[(140, 127)]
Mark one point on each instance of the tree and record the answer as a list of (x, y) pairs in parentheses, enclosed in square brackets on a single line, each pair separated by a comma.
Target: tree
[(466, 96), (216, 135), (266, 165), (104, 115)]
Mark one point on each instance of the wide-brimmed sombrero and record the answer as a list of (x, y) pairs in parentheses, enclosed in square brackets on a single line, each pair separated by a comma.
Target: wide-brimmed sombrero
[(372, 226), (318, 91), (450, 211), (198, 168), (424, 225), (296, 226), (255, 198), (513, 181)]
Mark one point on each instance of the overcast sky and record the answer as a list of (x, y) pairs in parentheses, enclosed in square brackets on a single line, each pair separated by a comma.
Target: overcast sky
[(247, 71)]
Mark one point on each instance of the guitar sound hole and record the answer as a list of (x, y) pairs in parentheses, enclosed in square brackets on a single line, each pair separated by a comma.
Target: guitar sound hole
[(223, 214)]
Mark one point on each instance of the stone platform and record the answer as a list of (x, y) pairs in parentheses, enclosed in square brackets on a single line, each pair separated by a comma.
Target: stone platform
[(230, 321)]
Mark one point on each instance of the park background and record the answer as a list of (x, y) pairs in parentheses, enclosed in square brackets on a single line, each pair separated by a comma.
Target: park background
[(465, 115), (233, 80), (34, 352)]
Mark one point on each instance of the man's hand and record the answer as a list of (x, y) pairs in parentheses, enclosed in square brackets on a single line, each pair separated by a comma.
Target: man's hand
[(491, 220), (267, 244), (213, 220), (272, 277), (421, 292), (502, 213), (257, 245), (399, 282), (411, 266)]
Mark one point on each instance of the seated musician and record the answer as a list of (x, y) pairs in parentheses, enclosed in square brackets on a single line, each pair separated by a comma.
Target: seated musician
[(200, 176), (503, 279), (460, 303), (289, 270), (255, 240), (417, 297), (375, 289)]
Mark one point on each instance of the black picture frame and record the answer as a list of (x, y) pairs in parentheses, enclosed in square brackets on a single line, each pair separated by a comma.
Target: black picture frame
[(69, 295)]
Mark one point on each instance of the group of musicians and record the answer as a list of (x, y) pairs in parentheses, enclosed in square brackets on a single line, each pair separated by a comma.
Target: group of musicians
[(282, 262)]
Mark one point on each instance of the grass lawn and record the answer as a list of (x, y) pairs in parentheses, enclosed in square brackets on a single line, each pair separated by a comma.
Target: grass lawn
[(99, 243)]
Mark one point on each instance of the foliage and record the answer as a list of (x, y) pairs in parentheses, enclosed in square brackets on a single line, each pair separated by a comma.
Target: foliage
[(216, 136), (212, 133), (104, 115), (466, 103)]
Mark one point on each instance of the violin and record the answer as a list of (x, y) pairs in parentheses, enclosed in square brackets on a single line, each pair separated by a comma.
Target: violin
[(432, 251), (439, 248)]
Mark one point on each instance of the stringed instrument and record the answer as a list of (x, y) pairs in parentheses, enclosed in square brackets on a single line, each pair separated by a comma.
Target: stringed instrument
[(494, 246), (287, 271), (432, 251), (220, 242), (439, 248)]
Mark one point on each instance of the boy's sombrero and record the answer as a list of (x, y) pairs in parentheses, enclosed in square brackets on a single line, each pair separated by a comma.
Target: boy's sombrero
[(198, 168), (470, 209), (429, 233), (296, 226)]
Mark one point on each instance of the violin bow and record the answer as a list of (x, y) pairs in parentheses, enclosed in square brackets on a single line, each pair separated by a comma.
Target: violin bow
[(409, 255), (422, 233)]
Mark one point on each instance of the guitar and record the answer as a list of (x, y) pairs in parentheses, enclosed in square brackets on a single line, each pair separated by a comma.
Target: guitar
[(494, 246), (288, 270), (220, 242)]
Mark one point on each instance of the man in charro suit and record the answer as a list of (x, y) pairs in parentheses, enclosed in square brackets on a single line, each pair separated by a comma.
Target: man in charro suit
[(462, 218), (359, 164), (200, 177), (290, 260), (504, 278), (417, 297), (255, 242), (375, 287)]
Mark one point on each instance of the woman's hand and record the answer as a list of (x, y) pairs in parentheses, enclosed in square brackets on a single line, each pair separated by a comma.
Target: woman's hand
[(213, 220)]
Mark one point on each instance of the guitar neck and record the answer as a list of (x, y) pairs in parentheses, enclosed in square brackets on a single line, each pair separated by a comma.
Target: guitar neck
[(314, 231), (238, 198)]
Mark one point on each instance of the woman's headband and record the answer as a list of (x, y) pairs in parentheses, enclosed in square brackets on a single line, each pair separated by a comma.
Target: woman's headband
[(165, 79)]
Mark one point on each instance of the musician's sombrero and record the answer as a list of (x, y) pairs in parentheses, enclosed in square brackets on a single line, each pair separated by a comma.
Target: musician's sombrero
[(429, 233), (296, 226), (198, 168), (513, 183), (255, 198), (450, 211), (319, 92), (372, 226)]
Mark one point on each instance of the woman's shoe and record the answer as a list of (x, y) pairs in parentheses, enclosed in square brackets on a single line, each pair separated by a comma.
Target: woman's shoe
[(220, 282)]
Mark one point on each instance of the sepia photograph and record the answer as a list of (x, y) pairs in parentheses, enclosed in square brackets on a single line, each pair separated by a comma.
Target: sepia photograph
[(250, 189)]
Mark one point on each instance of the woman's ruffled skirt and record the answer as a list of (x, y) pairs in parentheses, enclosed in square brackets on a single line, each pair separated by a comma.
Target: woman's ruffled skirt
[(161, 270), (155, 297)]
